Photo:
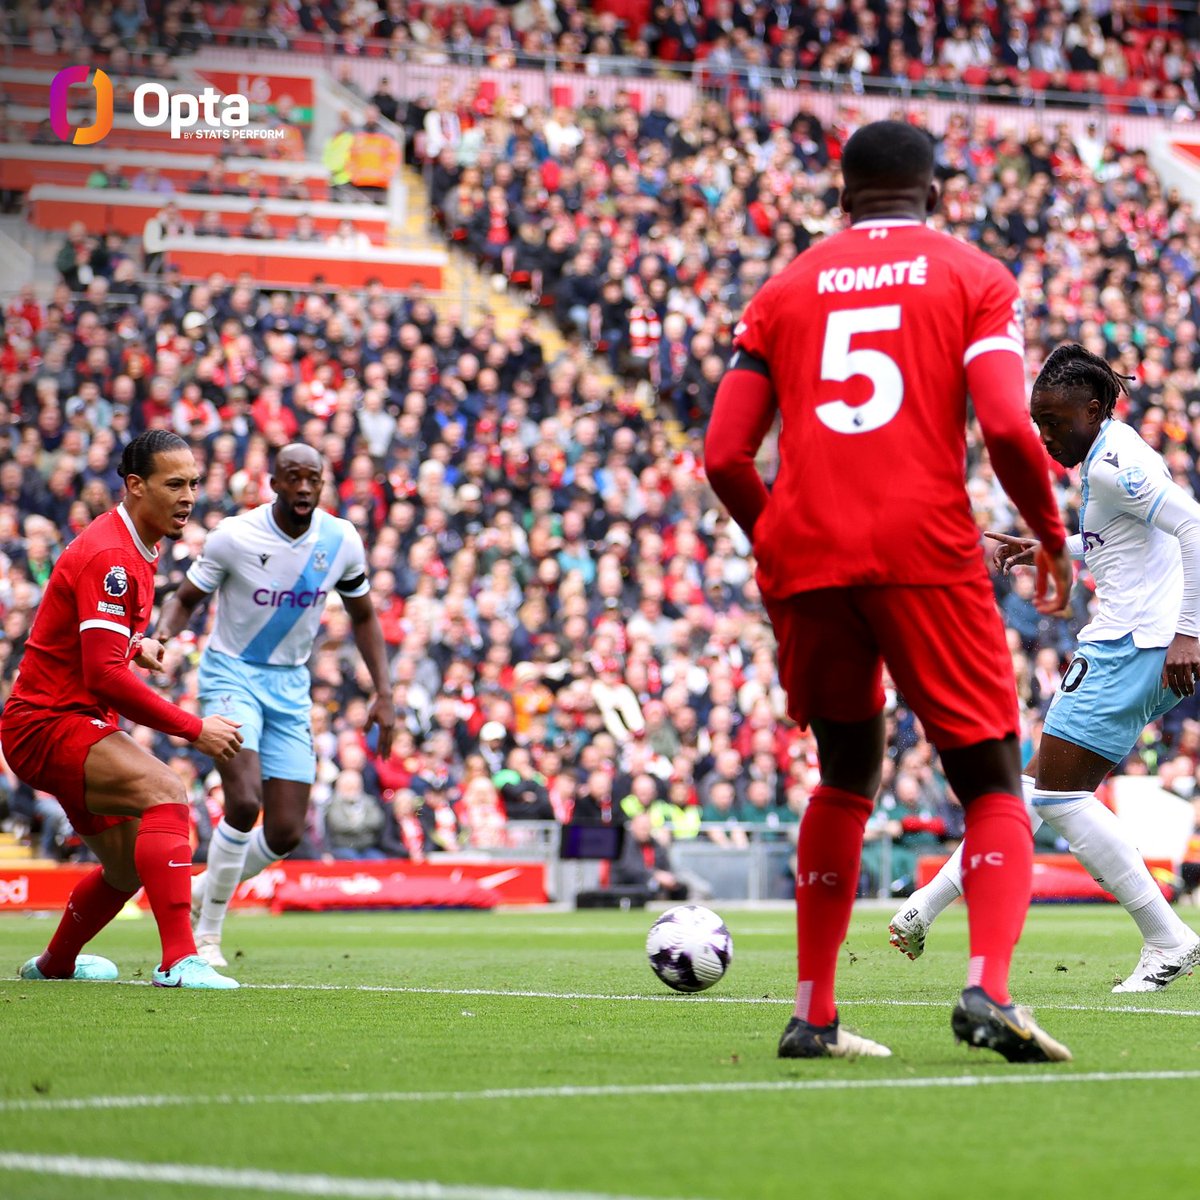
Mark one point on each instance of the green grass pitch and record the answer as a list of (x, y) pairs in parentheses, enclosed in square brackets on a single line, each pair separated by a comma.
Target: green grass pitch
[(529, 1055)]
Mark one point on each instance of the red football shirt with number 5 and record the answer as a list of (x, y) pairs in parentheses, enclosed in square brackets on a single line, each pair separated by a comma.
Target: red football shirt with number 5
[(867, 337)]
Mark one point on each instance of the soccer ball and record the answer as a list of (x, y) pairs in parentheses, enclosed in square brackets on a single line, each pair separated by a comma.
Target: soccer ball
[(689, 948)]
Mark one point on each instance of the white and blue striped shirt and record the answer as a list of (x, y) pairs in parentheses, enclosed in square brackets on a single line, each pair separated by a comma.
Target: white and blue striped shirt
[(271, 589), (1135, 562)]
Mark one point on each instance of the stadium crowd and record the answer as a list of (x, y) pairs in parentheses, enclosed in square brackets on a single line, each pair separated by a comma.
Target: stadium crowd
[(573, 622), (1038, 43)]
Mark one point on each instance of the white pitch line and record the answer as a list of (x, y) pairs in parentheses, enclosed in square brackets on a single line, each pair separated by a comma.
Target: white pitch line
[(632, 997), (689, 999), (275, 1182), (594, 1091)]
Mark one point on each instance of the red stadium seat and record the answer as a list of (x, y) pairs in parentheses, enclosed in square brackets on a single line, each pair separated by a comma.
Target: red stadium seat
[(562, 95), (635, 13), (479, 20), (975, 76), (487, 89), (916, 70), (1135, 59), (1038, 80)]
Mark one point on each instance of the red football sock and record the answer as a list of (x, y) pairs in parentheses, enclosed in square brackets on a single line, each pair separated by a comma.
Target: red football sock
[(164, 863), (829, 855), (92, 905), (997, 876)]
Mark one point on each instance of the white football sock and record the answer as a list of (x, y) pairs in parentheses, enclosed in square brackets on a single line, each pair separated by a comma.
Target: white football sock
[(259, 856), (226, 858), (942, 890), (1102, 845), (946, 886)]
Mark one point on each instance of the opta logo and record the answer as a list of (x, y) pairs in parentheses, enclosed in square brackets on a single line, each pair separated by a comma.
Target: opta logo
[(217, 115), (85, 135)]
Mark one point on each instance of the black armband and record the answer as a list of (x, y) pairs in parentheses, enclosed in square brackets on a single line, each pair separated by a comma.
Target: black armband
[(743, 360), (347, 587)]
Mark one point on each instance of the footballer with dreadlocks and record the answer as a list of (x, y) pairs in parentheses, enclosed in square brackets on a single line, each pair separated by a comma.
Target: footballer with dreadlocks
[(1139, 654)]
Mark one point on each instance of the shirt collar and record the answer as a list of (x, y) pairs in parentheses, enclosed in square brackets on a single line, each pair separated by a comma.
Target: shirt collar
[(885, 223), (273, 525), (1099, 442), (148, 554)]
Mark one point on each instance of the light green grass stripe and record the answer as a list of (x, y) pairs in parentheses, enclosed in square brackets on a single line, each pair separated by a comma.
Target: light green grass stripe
[(592, 1091), (244, 1179)]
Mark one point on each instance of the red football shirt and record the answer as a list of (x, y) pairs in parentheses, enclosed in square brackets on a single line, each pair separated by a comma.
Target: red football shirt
[(103, 584), (868, 336)]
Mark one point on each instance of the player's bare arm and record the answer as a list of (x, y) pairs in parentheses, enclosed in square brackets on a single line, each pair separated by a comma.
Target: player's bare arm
[(177, 610), (368, 637)]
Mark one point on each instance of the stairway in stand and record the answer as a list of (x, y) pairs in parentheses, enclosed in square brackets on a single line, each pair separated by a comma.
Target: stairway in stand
[(465, 286), (16, 855)]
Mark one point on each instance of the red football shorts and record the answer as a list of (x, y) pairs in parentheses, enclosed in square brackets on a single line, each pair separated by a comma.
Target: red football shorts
[(943, 644), (48, 752)]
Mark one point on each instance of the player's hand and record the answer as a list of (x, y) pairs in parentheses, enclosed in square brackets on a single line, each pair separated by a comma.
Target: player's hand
[(150, 655), (219, 738), (1182, 666), (1011, 551), (1057, 572), (382, 714)]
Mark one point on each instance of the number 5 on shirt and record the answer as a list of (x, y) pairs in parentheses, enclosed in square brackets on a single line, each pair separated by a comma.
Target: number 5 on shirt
[(839, 363)]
